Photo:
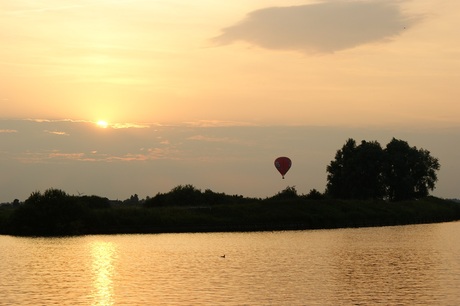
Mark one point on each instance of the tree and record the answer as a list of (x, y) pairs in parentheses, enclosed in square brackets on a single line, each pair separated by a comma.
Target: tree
[(182, 195), (186, 195), (409, 173), (314, 195), (340, 171), (399, 172), (288, 193), (356, 172), (93, 202), (368, 171), (133, 200), (51, 213)]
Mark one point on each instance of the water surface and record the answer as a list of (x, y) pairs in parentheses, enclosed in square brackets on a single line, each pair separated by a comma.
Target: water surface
[(416, 264)]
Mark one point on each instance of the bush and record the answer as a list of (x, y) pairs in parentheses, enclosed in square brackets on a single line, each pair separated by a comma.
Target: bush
[(55, 213), (314, 195)]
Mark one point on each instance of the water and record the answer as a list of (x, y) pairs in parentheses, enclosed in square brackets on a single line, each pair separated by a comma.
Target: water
[(401, 265)]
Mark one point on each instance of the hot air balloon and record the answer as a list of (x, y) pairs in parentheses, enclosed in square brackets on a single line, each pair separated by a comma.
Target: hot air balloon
[(283, 164)]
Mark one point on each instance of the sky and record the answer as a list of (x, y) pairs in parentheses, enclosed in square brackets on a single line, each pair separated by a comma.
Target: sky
[(210, 93)]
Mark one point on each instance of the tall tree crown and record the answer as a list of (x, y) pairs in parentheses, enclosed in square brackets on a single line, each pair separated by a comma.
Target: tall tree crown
[(366, 171)]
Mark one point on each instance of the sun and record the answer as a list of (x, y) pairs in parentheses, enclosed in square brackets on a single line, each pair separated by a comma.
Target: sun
[(102, 124)]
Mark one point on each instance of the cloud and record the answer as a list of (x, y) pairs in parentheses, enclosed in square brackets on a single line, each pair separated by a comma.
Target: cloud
[(57, 133), (213, 139), (57, 156), (128, 126), (70, 156), (216, 123), (51, 157), (114, 125), (8, 131), (320, 28), (41, 120)]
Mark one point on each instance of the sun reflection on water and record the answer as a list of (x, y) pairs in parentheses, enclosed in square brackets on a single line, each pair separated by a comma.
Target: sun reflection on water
[(103, 255)]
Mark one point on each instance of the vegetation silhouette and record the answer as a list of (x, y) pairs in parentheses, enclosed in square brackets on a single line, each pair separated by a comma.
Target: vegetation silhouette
[(367, 186), (55, 213), (366, 171), (188, 195)]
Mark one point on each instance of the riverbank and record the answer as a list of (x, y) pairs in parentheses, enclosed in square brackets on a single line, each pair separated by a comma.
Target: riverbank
[(257, 215)]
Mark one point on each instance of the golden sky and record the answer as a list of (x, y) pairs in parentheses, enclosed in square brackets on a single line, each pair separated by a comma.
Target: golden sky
[(262, 62), (209, 93)]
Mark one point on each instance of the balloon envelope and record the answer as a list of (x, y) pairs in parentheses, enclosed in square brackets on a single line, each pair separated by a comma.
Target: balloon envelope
[(283, 164)]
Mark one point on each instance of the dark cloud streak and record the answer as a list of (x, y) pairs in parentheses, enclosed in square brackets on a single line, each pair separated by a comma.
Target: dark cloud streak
[(321, 27)]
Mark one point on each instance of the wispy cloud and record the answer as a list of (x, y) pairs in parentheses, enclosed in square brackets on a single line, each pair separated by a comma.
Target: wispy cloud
[(128, 126), (114, 125), (60, 133), (217, 123), (145, 155), (73, 156), (7, 131), (213, 139), (41, 120), (57, 156), (51, 157), (323, 27)]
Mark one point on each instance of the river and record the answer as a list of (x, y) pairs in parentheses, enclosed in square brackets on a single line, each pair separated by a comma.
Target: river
[(396, 265)]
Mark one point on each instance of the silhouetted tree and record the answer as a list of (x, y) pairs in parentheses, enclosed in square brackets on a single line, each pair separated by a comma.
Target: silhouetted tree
[(340, 171), (213, 198), (188, 195), (314, 195), (160, 199), (94, 202), (133, 200), (185, 195), (367, 171), (356, 172), (178, 196), (409, 173), (290, 192), (51, 213), (368, 166)]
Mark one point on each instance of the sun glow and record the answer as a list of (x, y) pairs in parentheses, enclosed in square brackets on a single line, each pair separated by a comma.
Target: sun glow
[(103, 124)]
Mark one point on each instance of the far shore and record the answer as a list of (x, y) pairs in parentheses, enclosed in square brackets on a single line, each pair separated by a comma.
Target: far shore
[(255, 215)]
